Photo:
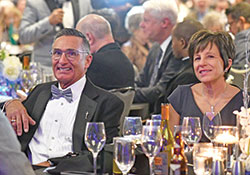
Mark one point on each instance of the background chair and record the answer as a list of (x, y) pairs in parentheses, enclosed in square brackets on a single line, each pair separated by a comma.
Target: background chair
[(126, 95), (238, 77)]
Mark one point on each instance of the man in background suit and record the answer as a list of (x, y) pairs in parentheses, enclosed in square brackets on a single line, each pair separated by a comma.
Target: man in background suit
[(40, 24), (158, 21), (59, 122), (181, 34), (110, 68)]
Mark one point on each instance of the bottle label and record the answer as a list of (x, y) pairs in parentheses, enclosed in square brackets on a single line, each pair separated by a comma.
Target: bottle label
[(161, 164), (175, 169)]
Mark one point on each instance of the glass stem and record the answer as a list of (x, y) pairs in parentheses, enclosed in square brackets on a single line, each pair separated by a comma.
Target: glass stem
[(151, 159), (94, 163)]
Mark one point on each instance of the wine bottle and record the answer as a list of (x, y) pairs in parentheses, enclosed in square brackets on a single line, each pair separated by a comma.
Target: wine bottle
[(178, 164), (116, 170), (162, 160)]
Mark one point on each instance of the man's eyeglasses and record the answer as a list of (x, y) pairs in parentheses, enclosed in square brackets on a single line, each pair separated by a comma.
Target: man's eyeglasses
[(70, 54)]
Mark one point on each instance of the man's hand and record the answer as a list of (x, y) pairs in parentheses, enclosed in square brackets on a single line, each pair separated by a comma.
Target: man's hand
[(56, 17), (44, 164), (18, 116)]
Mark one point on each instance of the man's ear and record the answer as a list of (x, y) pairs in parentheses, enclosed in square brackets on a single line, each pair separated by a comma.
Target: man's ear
[(183, 43), (165, 22), (242, 19), (88, 60), (90, 37)]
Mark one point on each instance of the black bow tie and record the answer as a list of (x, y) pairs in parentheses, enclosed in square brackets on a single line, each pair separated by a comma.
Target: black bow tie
[(57, 93)]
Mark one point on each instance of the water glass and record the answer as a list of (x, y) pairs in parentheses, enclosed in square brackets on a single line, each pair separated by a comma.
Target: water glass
[(95, 139), (124, 154), (203, 158)]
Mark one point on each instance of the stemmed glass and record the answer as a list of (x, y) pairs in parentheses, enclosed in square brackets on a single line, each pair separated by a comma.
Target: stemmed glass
[(27, 80), (124, 154), (153, 122), (132, 128), (151, 143), (191, 131), (208, 122), (95, 139)]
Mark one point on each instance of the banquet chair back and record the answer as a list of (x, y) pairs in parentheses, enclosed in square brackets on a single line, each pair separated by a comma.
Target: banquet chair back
[(126, 95), (238, 77)]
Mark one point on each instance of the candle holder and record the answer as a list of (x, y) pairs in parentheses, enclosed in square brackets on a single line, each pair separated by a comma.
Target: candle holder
[(227, 136)]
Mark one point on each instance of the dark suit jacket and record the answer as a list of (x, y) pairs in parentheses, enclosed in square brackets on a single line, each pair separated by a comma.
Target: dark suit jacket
[(186, 76), (96, 105), (168, 69), (110, 68)]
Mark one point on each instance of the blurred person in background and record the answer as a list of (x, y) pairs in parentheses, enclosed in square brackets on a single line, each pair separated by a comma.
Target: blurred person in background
[(161, 66), (214, 21), (182, 32), (110, 68), (238, 18), (200, 9), (137, 48), (112, 17), (10, 18), (221, 5), (43, 19)]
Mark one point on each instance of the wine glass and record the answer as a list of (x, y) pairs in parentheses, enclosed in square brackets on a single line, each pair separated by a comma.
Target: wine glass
[(27, 80), (193, 134), (95, 139), (124, 154), (151, 143), (132, 128), (208, 122)]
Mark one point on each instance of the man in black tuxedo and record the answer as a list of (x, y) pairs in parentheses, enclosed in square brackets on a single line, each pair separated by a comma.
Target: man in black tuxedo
[(110, 68), (181, 34), (58, 122), (158, 20)]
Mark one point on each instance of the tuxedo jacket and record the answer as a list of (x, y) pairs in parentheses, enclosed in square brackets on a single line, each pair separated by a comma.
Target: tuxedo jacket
[(35, 27), (169, 67), (111, 69), (95, 105)]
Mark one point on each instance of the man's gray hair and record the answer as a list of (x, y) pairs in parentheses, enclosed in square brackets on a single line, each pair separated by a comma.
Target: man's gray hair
[(161, 9)]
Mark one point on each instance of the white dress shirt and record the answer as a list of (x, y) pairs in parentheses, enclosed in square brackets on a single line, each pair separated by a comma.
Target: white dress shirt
[(164, 46), (53, 137), (68, 17)]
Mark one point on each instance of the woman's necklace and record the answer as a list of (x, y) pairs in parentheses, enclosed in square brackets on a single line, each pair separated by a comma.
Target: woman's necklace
[(212, 107)]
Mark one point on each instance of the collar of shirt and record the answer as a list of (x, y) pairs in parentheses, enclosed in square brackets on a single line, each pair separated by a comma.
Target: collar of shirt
[(76, 88), (185, 58), (164, 46)]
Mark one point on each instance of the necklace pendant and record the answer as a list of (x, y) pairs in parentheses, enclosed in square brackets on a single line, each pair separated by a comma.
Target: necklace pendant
[(212, 109)]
